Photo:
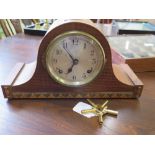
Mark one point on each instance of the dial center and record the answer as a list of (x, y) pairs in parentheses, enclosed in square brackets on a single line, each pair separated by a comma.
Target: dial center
[(75, 61)]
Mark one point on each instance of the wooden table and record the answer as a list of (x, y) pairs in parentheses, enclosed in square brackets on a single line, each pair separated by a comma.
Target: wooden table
[(55, 116)]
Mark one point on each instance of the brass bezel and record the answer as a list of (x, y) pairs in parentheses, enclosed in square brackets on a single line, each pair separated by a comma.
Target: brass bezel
[(64, 82)]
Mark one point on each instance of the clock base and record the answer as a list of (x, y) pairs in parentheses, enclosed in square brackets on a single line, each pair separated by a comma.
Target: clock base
[(23, 73)]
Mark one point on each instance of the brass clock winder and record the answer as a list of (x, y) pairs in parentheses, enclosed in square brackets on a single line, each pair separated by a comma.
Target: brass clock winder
[(74, 61)]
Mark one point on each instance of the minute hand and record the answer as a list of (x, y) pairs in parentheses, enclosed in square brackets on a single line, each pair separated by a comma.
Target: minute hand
[(69, 54)]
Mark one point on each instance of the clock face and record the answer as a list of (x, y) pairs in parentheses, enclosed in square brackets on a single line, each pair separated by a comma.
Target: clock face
[(74, 58)]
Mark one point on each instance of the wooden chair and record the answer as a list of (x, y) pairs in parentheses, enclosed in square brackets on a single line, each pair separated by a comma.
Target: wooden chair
[(17, 25), (35, 21), (11, 26), (6, 28), (27, 22)]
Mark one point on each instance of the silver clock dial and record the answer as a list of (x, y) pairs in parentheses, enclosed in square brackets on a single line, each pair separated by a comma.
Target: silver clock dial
[(74, 58)]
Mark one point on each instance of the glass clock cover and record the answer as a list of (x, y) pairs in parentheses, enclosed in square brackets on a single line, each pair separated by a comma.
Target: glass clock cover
[(74, 58)]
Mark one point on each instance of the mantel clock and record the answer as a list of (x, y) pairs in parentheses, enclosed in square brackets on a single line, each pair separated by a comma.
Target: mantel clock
[(74, 61)]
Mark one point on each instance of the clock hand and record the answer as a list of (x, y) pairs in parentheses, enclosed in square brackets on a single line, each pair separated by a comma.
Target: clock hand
[(69, 54), (70, 69), (75, 62)]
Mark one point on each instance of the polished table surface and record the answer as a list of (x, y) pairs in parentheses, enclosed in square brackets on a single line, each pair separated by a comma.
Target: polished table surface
[(55, 116)]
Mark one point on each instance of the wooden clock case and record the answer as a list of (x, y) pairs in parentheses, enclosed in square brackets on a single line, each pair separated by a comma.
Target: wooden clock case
[(33, 80)]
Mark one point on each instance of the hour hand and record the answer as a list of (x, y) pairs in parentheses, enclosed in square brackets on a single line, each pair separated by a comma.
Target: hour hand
[(70, 69), (75, 62)]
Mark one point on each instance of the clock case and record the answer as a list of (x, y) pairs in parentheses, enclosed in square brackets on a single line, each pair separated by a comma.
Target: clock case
[(33, 81)]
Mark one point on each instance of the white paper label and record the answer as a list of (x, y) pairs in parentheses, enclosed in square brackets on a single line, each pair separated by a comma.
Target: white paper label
[(83, 106)]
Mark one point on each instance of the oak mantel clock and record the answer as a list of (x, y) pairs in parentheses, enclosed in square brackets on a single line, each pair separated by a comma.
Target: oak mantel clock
[(74, 61)]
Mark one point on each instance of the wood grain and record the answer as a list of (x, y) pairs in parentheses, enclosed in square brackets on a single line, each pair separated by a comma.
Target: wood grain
[(55, 116)]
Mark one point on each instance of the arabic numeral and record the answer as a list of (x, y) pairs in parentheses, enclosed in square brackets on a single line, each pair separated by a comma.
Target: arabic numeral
[(64, 44), (58, 52), (74, 77), (75, 41), (90, 70), (84, 75), (94, 61), (92, 53), (59, 70), (85, 45)]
